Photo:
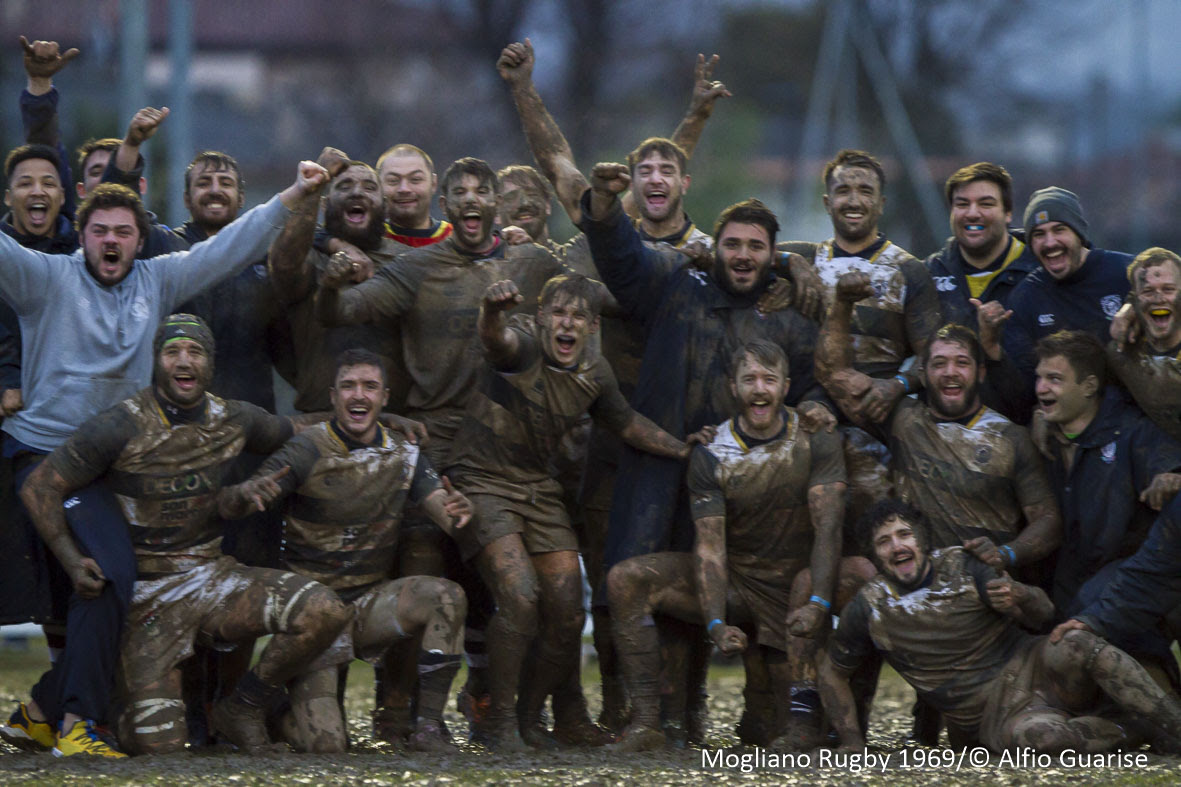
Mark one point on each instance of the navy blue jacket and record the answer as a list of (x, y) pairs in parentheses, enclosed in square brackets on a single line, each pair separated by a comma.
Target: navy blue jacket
[(1117, 456), (39, 119), (692, 328), (1084, 301), (1146, 587), (949, 271)]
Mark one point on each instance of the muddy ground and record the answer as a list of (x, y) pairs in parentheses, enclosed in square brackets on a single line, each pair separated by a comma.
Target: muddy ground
[(375, 764)]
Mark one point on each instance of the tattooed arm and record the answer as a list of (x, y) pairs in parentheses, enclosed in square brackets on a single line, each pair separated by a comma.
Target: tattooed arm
[(43, 494), (291, 272)]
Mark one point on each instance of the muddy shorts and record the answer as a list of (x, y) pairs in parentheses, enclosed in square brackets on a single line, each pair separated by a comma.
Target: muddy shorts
[(378, 629), (172, 612), (535, 511), (1013, 694)]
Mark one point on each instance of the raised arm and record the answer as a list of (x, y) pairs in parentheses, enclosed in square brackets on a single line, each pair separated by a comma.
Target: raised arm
[(243, 241), (834, 352), (705, 94), (141, 128), (500, 343), (550, 149), (38, 104)]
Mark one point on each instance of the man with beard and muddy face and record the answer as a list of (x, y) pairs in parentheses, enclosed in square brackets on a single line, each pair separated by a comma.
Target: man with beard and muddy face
[(346, 483), (955, 630), (432, 294), (163, 453), (765, 496), (1145, 348), (1077, 287), (890, 325), (977, 472), (537, 384), (79, 366), (693, 321)]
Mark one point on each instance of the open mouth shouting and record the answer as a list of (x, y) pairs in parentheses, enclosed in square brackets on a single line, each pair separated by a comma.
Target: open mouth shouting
[(656, 200), (904, 565), (38, 213), (358, 413), (472, 221), (760, 409), (109, 263), (356, 213), (1160, 318), (565, 345)]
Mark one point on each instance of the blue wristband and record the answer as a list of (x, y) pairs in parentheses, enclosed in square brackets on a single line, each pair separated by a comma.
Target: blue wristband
[(905, 383), (1012, 554), (820, 601), (710, 628)]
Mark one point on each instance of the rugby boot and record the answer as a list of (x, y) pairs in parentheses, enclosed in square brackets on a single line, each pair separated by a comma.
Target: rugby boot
[(475, 709), (25, 733), (85, 738), (392, 725), (572, 722), (538, 736), (240, 723), (615, 715), (431, 736), (639, 737)]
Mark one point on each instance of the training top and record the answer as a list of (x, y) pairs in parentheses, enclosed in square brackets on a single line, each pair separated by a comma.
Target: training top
[(86, 347)]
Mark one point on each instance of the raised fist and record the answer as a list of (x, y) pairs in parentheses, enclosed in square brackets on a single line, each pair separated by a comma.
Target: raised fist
[(144, 125), (333, 160), (611, 179), (515, 63), (854, 286), (502, 296)]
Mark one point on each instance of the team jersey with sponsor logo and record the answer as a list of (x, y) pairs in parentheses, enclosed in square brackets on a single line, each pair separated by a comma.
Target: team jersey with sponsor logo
[(943, 638), (165, 467), (971, 477), (902, 312), (345, 502), (761, 488)]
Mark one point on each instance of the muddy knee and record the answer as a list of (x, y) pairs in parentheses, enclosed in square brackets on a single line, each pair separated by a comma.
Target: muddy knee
[(516, 606), (1078, 648), (625, 585), (1049, 735)]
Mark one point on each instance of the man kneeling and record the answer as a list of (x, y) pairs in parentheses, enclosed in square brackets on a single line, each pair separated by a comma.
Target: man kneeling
[(163, 453), (346, 483), (952, 628), (765, 496)]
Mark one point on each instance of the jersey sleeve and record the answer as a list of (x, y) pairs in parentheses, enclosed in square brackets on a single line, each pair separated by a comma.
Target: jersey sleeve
[(91, 450), (300, 454), (264, 432), (851, 643), (425, 481), (828, 459), (706, 497), (391, 293), (610, 408), (923, 312), (528, 347), (1029, 473)]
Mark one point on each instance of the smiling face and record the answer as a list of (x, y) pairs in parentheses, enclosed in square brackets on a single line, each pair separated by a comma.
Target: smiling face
[(1157, 300), (354, 209), (743, 256), (979, 220), (1062, 398), (183, 372), (358, 395), (407, 184), (899, 553), (854, 203), (759, 391), (35, 196), (658, 186), (471, 207), (110, 241), (565, 325), (524, 205), (1058, 248), (213, 196), (953, 379)]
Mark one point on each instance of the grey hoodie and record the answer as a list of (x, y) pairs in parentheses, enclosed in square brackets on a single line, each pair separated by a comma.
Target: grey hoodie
[(87, 346)]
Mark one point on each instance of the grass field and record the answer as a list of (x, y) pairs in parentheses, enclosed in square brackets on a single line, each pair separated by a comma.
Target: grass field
[(375, 764)]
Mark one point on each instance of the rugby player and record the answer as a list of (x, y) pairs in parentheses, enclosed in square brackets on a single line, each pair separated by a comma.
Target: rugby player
[(162, 452), (1145, 352), (955, 630), (346, 483), (768, 501), (539, 382)]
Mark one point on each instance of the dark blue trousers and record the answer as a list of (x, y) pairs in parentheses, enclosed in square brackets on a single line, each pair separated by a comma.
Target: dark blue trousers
[(81, 680)]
